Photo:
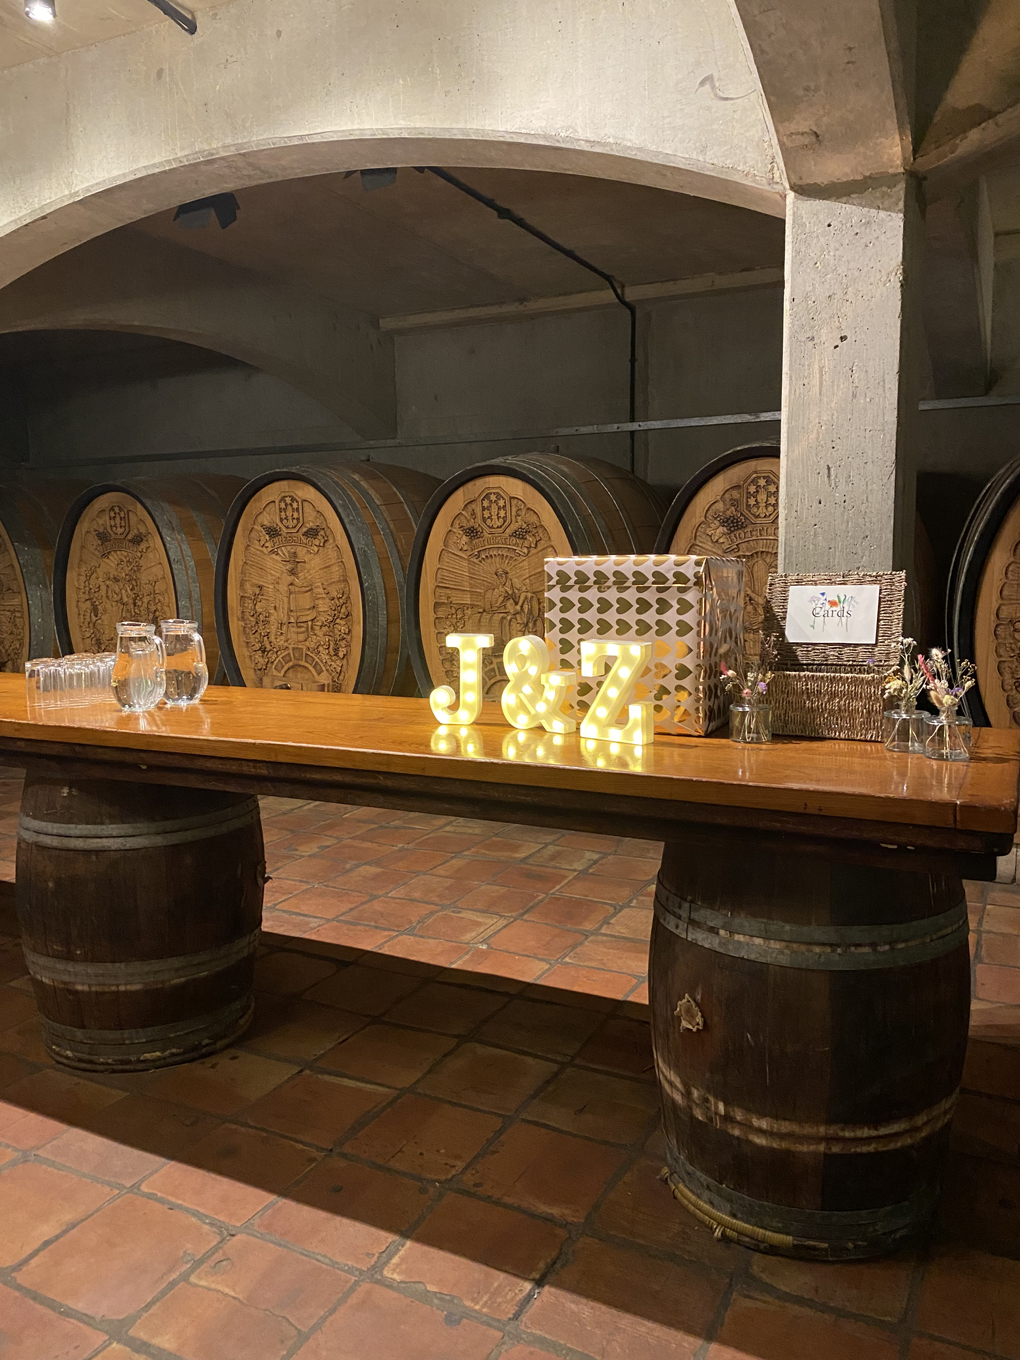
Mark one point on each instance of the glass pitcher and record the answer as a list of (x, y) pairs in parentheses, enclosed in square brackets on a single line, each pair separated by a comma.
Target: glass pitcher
[(139, 672), (187, 674)]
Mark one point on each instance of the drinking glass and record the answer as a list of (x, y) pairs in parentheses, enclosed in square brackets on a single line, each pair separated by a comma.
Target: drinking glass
[(40, 676), (187, 674), (76, 681), (105, 662), (139, 672)]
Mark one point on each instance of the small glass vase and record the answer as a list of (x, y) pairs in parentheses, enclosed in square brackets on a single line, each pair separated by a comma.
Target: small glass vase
[(905, 729), (750, 724), (948, 737)]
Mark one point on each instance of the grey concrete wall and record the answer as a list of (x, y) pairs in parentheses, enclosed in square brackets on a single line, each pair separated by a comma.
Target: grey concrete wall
[(461, 394), (546, 373), (226, 407), (714, 355)]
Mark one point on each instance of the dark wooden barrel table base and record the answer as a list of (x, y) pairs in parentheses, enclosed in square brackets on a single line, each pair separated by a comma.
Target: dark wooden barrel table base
[(809, 1018), (140, 907)]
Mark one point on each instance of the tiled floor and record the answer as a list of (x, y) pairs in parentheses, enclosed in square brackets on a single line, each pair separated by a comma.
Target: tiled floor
[(438, 1142)]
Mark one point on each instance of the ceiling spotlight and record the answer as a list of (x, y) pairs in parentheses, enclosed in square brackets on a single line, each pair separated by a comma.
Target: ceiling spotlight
[(42, 11), (377, 179), (183, 18), (199, 213)]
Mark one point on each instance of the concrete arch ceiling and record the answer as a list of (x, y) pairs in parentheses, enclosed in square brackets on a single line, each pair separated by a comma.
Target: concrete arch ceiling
[(647, 91), (127, 281)]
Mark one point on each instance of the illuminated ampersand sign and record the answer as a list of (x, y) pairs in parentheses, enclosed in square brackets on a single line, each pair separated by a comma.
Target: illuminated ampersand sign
[(612, 716), (535, 696), (470, 646)]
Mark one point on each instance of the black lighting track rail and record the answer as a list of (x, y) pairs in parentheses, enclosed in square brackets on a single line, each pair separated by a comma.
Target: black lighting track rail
[(508, 215)]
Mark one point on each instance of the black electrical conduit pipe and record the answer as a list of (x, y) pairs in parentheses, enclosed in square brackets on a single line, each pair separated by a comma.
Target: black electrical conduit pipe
[(508, 215)]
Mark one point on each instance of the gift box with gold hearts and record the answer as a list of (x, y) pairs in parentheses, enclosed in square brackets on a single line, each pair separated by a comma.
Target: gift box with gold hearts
[(689, 608)]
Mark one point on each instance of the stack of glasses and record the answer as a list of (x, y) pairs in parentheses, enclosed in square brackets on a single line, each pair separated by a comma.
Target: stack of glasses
[(69, 681)]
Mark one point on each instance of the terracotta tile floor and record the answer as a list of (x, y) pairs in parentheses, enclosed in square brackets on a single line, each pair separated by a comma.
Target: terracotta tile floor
[(438, 1140)]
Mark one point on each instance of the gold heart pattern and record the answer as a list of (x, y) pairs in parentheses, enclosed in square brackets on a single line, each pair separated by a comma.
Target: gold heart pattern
[(690, 608)]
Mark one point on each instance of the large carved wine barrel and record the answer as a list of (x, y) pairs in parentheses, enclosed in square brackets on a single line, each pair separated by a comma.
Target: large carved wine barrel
[(983, 600), (310, 583), (809, 1019), (30, 520), (139, 549), (140, 908), (478, 556), (730, 508)]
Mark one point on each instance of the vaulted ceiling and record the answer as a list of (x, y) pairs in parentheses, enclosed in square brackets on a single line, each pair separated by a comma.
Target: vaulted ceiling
[(420, 244)]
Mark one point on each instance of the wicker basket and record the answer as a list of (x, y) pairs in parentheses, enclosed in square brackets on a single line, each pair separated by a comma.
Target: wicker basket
[(834, 690), (827, 704)]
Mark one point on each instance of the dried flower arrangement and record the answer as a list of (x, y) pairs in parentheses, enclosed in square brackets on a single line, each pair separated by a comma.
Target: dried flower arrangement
[(750, 684), (945, 681), (906, 680)]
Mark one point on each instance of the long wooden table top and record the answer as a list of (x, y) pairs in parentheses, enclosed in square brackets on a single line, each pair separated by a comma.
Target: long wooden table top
[(391, 750)]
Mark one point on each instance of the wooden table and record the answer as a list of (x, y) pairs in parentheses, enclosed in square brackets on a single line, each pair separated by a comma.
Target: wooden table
[(808, 964)]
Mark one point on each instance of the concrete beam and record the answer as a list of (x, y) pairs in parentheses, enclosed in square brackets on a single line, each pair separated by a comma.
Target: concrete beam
[(958, 292), (991, 145), (850, 381), (130, 281), (741, 281), (833, 82)]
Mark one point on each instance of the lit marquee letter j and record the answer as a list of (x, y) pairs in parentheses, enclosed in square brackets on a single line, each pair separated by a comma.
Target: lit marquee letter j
[(470, 646)]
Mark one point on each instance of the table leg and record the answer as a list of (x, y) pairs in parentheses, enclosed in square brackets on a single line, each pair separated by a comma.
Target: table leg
[(810, 1008), (140, 907)]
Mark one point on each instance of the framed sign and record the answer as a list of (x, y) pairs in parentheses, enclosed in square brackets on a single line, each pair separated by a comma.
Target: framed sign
[(832, 614)]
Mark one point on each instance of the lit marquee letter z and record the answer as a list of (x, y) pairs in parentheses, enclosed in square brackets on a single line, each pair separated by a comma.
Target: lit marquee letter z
[(612, 716)]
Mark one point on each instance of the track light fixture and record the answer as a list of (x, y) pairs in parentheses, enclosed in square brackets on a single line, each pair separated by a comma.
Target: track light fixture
[(183, 18), (199, 213), (374, 179), (45, 12), (377, 179), (41, 11)]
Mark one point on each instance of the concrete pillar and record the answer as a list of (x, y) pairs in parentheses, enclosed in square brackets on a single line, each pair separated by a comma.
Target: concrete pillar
[(851, 379)]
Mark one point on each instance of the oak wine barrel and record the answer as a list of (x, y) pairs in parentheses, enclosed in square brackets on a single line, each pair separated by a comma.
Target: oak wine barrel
[(30, 518), (730, 508), (140, 549), (809, 1019), (983, 600), (140, 908), (310, 581), (477, 562)]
